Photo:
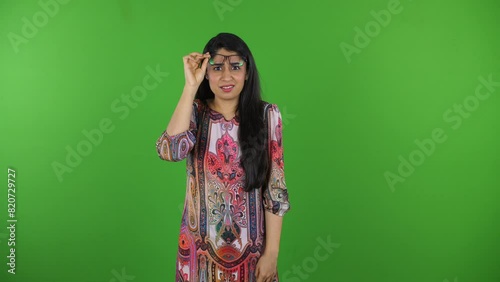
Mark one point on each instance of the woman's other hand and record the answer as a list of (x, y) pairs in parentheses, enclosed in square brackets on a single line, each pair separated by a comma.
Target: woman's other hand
[(266, 268)]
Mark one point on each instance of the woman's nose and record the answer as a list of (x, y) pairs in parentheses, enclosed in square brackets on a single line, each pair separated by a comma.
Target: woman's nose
[(226, 73)]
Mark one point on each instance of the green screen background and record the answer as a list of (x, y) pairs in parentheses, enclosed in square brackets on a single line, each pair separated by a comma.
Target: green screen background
[(347, 120)]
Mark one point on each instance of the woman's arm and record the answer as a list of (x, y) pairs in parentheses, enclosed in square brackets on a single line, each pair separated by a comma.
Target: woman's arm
[(275, 200), (273, 234), (179, 122), (194, 74), (178, 139), (267, 266)]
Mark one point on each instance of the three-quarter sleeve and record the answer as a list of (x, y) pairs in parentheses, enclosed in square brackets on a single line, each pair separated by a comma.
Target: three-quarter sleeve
[(177, 147), (275, 196)]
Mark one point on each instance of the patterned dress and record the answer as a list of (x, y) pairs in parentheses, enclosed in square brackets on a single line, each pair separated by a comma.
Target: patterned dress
[(222, 233)]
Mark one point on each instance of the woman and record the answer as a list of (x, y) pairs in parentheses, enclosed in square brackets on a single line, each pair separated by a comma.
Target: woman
[(236, 194)]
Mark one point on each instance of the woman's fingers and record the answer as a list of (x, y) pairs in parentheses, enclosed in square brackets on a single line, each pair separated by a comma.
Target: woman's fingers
[(194, 54), (262, 277), (205, 63), (195, 66), (195, 59), (199, 58)]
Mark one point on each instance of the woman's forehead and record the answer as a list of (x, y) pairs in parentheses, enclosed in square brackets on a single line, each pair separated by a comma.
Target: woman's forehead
[(225, 52)]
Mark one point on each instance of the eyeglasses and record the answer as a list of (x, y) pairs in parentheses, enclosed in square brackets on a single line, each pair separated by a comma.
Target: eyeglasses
[(234, 60)]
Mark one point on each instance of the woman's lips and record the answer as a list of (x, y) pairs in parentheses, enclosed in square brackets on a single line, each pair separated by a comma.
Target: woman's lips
[(227, 88)]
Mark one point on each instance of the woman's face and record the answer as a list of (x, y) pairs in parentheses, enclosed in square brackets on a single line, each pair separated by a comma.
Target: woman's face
[(226, 73)]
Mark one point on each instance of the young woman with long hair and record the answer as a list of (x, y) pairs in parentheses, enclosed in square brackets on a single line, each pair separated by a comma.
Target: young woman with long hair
[(236, 194)]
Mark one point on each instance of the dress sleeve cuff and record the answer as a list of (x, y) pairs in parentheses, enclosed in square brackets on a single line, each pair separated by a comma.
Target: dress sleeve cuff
[(175, 147)]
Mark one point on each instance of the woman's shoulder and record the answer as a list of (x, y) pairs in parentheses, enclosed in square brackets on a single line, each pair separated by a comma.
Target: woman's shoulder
[(270, 107), (267, 105)]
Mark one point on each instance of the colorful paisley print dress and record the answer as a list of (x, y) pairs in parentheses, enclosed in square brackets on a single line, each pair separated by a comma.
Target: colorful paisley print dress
[(222, 232)]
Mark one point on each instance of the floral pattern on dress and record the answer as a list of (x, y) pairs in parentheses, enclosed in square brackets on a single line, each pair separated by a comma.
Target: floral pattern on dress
[(222, 232)]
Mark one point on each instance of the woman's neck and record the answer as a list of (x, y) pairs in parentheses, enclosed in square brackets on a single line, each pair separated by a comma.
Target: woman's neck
[(225, 107)]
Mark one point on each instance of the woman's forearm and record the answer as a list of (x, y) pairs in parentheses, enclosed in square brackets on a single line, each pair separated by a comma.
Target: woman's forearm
[(273, 234), (179, 122)]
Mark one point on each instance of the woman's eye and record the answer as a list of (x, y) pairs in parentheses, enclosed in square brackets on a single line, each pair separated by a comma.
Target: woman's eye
[(216, 68), (236, 67)]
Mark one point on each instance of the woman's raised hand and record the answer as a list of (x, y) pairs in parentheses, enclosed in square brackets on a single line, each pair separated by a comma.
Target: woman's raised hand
[(193, 73)]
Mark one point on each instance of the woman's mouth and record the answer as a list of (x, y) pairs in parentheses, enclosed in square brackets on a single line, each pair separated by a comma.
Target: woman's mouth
[(227, 88)]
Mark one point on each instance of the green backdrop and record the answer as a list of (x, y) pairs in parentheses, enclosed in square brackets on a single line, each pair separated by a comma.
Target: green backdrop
[(391, 133)]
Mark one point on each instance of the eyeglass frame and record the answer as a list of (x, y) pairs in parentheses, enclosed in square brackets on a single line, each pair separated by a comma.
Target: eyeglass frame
[(226, 58)]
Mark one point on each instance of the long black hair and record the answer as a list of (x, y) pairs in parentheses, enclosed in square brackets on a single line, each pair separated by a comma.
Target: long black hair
[(252, 133)]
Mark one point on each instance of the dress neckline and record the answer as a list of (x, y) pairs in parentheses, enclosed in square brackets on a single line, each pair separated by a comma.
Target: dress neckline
[(218, 115)]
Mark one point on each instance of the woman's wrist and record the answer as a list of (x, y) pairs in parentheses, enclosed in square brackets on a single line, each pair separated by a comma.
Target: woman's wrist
[(190, 90), (271, 252)]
